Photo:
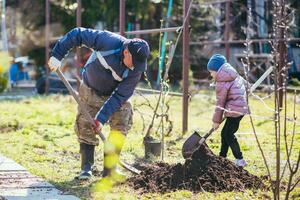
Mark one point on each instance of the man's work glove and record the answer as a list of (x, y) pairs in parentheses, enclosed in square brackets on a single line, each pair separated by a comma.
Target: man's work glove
[(54, 63), (97, 126)]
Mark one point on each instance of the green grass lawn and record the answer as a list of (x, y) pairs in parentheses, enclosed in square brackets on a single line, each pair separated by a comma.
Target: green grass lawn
[(38, 133)]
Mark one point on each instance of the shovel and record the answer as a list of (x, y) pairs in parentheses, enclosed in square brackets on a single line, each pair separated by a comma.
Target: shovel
[(193, 142), (90, 119)]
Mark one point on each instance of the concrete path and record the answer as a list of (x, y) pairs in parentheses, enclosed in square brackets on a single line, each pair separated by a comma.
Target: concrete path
[(17, 183)]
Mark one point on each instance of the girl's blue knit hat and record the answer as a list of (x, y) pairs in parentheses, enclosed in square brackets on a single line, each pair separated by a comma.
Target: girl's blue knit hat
[(215, 62)]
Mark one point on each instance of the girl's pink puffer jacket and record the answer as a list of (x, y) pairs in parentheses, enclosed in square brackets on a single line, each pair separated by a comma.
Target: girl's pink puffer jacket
[(230, 93)]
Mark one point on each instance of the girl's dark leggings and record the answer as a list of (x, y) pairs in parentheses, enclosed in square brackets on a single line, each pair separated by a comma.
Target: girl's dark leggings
[(229, 139)]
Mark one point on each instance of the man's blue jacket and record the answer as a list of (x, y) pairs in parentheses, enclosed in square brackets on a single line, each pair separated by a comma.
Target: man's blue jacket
[(111, 46)]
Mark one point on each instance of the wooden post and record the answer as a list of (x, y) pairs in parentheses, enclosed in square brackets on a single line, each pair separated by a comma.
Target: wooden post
[(122, 17), (227, 30), (78, 51), (185, 67), (47, 50)]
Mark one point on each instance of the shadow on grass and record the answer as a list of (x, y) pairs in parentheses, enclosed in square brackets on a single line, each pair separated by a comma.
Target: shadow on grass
[(52, 138), (80, 189), (262, 123)]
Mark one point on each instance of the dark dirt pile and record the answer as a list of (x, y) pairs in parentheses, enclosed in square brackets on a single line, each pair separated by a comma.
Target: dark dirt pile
[(203, 172)]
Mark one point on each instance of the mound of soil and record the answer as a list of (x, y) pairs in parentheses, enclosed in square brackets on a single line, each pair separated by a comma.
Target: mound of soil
[(203, 172)]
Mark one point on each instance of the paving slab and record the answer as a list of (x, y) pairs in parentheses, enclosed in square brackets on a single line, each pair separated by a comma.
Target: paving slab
[(7, 164), (58, 197), (17, 183), (28, 192)]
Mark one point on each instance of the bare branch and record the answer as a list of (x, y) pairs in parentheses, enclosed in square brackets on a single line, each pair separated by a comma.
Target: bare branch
[(246, 72), (142, 116), (289, 152), (295, 184)]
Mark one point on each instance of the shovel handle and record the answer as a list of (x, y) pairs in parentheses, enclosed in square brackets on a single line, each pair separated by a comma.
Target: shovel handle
[(77, 99), (208, 134)]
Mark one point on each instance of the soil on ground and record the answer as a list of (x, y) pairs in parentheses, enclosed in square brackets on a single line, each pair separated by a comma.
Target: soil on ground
[(204, 171)]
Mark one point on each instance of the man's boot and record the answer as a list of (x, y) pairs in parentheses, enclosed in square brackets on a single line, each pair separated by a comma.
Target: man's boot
[(112, 150), (87, 161)]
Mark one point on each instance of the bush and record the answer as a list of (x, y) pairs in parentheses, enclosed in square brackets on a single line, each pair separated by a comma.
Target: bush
[(295, 82), (3, 80)]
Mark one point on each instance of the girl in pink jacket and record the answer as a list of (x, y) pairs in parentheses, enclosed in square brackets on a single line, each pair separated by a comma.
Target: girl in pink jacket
[(231, 100)]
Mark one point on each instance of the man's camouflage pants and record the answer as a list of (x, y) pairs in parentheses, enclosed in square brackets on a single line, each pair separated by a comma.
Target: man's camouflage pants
[(120, 121)]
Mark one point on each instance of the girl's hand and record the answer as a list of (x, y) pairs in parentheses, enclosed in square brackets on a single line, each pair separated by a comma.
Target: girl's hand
[(216, 126)]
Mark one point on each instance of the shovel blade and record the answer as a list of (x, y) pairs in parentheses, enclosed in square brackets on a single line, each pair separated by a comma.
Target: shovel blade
[(190, 145)]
